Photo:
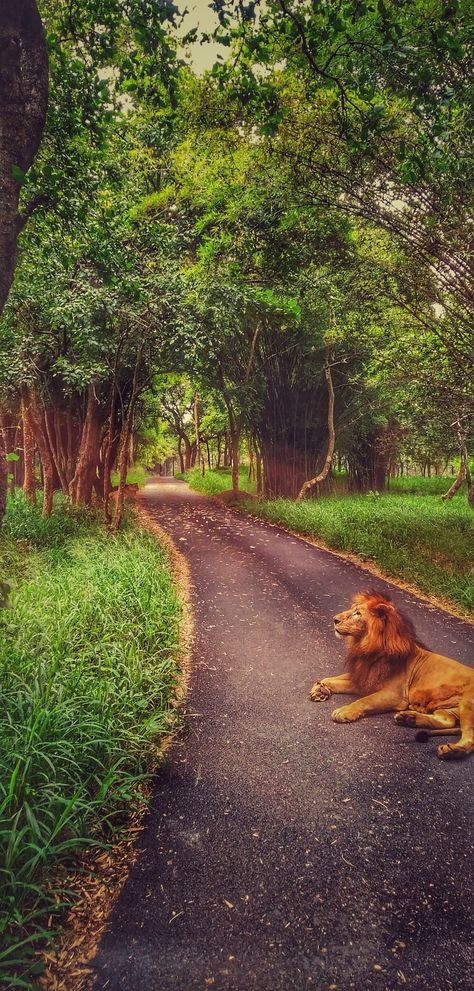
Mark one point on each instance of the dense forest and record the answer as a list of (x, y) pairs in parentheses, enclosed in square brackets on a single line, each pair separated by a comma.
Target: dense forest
[(280, 245), (235, 245)]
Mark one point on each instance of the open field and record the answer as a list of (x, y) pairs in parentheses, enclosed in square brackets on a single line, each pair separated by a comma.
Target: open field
[(413, 537), (88, 670)]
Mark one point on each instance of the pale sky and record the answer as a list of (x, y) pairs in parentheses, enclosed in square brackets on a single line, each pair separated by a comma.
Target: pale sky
[(201, 57)]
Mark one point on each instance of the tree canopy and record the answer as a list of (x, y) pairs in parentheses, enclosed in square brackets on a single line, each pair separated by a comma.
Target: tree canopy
[(227, 251)]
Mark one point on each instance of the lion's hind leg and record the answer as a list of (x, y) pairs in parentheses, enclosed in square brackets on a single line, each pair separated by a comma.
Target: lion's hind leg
[(465, 745), (439, 719)]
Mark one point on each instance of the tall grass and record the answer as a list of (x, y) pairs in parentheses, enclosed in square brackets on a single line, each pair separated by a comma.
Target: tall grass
[(217, 480), (416, 538), (88, 670)]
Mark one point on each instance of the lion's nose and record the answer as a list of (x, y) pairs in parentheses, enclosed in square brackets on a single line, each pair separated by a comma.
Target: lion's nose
[(336, 621)]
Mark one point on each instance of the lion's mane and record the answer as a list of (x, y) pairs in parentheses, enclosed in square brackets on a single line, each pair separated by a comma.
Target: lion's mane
[(389, 642)]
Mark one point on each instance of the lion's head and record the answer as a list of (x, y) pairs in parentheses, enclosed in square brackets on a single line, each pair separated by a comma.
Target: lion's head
[(378, 635)]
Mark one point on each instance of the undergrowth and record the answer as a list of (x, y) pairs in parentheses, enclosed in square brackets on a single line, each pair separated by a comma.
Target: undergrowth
[(88, 671)]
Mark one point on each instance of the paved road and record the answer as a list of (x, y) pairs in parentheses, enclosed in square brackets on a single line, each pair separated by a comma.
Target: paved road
[(283, 851)]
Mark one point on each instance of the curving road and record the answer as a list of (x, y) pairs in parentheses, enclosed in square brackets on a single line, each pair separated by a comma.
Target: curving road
[(283, 851)]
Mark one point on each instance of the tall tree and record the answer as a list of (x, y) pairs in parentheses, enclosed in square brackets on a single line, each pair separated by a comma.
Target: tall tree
[(23, 104)]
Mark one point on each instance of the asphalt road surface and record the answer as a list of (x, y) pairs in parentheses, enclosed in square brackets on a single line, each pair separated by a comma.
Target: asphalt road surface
[(283, 851)]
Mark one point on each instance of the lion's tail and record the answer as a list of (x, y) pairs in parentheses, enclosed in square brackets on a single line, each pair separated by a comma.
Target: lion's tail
[(424, 734)]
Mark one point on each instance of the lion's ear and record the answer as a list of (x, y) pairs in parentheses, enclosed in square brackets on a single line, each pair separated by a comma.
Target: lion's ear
[(383, 609)]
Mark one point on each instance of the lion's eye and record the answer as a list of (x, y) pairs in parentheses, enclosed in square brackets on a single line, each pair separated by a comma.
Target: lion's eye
[(355, 614)]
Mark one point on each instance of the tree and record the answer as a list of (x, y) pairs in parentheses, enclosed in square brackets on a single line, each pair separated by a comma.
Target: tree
[(23, 103)]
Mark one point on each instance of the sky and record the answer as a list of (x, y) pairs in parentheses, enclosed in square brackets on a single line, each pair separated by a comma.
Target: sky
[(201, 57)]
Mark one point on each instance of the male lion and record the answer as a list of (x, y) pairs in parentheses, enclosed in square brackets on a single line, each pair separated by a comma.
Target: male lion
[(393, 671)]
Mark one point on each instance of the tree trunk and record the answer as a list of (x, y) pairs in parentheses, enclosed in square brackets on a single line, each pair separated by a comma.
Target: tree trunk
[(188, 453), (464, 472), (51, 435), (23, 103), (127, 430), (251, 471), (43, 448), (180, 455), (29, 480), (3, 479), (313, 482), (259, 471), (196, 429), (123, 465), (111, 444), (86, 468), (235, 445)]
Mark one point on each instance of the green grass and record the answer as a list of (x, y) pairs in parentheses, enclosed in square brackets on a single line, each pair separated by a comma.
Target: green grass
[(137, 474), (437, 485), (218, 480), (88, 671), (417, 538)]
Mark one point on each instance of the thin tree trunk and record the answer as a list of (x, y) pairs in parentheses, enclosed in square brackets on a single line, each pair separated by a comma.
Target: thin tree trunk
[(29, 480), (70, 458), (82, 484), (127, 429), (235, 445), (44, 452), (49, 427), (312, 482), (123, 466), (109, 449), (180, 455), (464, 472), (251, 471), (196, 429), (3, 478), (259, 471)]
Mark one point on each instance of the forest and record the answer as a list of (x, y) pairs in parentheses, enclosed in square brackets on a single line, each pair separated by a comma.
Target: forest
[(235, 246)]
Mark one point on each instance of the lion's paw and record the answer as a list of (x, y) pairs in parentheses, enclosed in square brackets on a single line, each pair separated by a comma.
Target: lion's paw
[(320, 692), (448, 751), (405, 718), (344, 715)]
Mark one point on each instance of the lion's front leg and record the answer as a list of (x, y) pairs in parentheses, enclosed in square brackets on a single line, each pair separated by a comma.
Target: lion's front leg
[(340, 684), (383, 701)]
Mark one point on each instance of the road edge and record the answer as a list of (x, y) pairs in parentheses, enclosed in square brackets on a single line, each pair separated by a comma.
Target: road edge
[(101, 875), (444, 605)]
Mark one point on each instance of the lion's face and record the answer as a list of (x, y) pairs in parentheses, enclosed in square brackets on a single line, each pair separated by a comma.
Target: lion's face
[(352, 623), (375, 627)]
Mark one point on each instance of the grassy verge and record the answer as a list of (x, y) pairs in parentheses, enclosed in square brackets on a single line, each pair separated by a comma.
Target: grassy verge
[(218, 480), (415, 538), (88, 671)]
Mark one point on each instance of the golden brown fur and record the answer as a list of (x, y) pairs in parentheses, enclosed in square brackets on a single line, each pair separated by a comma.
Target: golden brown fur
[(129, 491), (391, 670)]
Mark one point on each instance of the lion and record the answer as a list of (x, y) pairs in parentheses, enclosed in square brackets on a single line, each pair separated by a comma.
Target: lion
[(130, 490), (391, 670)]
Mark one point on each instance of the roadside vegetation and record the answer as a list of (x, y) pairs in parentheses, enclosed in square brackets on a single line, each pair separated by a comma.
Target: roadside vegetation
[(217, 481), (409, 533), (269, 260), (88, 675)]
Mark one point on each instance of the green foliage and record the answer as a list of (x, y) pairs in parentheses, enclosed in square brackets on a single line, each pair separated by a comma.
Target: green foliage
[(218, 480), (416, 538), (87, 673)]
